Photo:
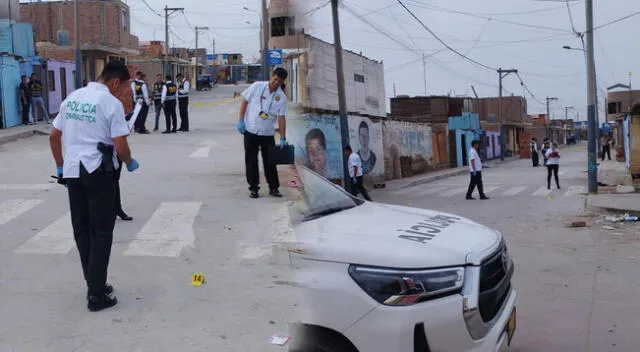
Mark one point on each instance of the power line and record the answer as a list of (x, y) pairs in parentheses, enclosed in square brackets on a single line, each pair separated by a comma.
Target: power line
[(151, 8), (315, 9), (573, 27), (616, 21), (442, 42), (528, 90)]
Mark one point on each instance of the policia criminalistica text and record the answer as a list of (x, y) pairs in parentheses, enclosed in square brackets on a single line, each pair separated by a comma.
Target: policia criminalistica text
[(92, 127)]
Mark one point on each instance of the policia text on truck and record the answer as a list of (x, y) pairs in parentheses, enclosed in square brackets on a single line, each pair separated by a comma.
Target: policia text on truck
[(92, 127)]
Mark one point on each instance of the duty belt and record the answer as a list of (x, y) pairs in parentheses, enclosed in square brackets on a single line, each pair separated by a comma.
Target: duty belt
[(107, 156)]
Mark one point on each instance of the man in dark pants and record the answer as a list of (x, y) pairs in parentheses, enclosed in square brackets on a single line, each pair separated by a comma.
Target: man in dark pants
[(157, 99), (262, 104), (183, 102), (141, 93), (25, 94), (92, 127), (168, 100), (475, 167), (356, 173)]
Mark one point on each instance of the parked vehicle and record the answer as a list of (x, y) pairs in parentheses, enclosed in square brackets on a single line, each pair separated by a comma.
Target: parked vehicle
[(381, 278)]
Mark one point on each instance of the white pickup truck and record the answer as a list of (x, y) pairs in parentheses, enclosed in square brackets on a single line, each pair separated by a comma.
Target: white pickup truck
[(385, 278)]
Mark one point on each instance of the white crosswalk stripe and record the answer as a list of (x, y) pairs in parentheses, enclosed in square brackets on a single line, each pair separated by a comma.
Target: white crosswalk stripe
[(541, 192), (424, 191), (202, 152), (453, 192), (490, 189), (26, 187), (12, 208), (513, 191), (56, 238), (576, 190), (169, 230)]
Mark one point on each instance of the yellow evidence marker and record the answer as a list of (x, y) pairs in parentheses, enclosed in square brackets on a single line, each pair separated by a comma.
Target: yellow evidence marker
[(197, 279)]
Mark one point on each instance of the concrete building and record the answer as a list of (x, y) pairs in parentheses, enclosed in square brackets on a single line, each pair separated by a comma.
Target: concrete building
[(285, 31), (105, 31), (514, 112), (619, 103)]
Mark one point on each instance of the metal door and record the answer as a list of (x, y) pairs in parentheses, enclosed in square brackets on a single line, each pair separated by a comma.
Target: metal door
[(9, 86), (63, 83)]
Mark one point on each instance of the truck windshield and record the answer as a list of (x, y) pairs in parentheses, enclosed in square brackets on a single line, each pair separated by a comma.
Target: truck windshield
[(317, 197)]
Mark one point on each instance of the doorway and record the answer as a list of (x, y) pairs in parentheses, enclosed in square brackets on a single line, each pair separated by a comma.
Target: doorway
[(463, 145), (63, 83)]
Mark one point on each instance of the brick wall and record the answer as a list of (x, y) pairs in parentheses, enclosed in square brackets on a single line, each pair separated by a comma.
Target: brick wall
[(514, 108), (110, 29), (426, 109)]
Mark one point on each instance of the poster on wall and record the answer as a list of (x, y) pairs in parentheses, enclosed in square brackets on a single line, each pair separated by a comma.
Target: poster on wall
[(317, 143), (365, 138)]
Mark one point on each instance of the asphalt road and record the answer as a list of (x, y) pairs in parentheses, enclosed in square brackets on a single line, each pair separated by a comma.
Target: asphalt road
[(577, 287), (192, 214)]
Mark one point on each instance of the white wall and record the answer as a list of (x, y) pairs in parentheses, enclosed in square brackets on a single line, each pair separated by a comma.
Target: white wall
[(364, 98)]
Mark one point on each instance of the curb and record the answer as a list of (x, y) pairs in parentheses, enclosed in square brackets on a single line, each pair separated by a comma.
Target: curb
[(20, 135), (616, 211)]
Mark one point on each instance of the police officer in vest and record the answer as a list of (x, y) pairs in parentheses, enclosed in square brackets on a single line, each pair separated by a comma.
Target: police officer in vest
[(157, 99), (169, 99), (263, 103), (183, 102), (92, 128), (141, 93)]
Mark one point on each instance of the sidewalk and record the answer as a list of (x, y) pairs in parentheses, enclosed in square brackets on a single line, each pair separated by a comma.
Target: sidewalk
[(394, 185), (13, 134), (615, 203)]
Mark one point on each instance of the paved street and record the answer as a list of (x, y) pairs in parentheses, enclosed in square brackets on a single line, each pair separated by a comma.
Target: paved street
[(192, 214), (578, 288)]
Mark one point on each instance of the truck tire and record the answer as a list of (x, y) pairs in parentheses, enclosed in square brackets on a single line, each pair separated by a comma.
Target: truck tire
[(315, 339)]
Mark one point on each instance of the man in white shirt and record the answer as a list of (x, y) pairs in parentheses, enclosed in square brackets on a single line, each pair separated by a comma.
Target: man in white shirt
[(475, 167), (141, 93), (183, 102), (263, 103), (355, 173), (90, 124)]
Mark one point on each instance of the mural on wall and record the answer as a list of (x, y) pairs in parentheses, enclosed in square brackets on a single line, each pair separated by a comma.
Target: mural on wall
[(317, 143), (365, 138), (407, 148)]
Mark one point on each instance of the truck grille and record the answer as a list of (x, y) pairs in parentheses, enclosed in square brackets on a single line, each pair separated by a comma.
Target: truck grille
[(495, 283)]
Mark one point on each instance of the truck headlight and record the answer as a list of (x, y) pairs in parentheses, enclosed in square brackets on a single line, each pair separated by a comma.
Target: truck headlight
[(407, 287)]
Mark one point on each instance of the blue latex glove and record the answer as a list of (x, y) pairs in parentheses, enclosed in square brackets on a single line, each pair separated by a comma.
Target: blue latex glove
[(59, 173), (354, 180), (473, 173), (133, 166), (283, 141), (59, 170), (240, 126)]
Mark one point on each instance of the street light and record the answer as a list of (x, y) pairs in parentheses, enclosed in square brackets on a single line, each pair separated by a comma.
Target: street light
[(570, 48), (262, 44)]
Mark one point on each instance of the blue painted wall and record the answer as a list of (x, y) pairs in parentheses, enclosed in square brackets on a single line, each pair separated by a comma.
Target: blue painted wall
[(9, 84), (468, 121)]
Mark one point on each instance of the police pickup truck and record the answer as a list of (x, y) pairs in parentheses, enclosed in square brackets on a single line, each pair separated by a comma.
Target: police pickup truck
[(385, 278)]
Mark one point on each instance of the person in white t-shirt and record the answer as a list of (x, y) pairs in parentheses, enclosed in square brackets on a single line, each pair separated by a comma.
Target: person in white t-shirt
[(355, 173), (92, 127), (263, 103), (475, 168), (553, 164)]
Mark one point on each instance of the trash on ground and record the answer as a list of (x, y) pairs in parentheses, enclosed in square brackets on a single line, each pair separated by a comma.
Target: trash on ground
[(578, 224), (197, 279), (280, 339), (608, 227), (292, 184), (630, 218)]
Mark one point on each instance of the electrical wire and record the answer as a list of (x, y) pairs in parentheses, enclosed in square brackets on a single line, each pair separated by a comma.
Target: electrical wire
[(616, 21), (441, 41), (151, 8), (527, 89), (315, 9), (573, 27)]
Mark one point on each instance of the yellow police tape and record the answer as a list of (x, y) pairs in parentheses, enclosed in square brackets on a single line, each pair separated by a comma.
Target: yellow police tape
[(197, 279), (214, 103)]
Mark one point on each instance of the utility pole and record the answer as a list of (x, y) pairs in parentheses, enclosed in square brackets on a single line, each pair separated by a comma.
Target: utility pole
[(265, 41), (424, 70), (394, 90), (167, 11), (198, 29), (342, 98), (566, 112), (76, 9), (214, 46), (592, 168), (502, 74), (549, 116)]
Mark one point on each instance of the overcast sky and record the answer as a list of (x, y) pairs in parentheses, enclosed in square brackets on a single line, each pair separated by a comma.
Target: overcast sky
[(527, 35)]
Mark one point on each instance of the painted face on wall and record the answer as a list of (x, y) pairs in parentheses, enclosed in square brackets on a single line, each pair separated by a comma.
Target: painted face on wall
[(317, 156), (364, 138)]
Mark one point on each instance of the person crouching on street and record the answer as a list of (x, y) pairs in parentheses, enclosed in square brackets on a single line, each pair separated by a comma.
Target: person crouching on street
[(355, 173)]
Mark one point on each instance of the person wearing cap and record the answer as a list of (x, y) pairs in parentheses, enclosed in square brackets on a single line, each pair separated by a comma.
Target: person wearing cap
[(93, 130), (263, 103)]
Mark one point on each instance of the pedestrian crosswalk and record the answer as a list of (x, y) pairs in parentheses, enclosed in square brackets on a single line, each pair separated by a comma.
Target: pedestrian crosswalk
[(166, 233), (493, 190)]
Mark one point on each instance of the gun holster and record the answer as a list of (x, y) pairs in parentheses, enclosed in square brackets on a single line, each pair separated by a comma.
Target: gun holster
[(107, 157)]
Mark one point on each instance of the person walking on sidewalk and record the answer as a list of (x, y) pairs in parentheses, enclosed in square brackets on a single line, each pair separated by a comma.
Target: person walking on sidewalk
[(157, 99), (535, 158), (141, 94), (356, 174), (24, 99), (183, 102), (475, 168), (37, 101), (263, 103), (169, 99), (93, 137), (553, 164)]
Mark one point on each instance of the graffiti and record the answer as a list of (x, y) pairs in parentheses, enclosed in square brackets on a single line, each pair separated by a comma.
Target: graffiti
[(365, 138), (317, 143), (407, 148)]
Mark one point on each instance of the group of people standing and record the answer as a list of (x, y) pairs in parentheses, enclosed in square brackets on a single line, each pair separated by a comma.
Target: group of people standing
[(167, 95), (31, 99), (551, 157)]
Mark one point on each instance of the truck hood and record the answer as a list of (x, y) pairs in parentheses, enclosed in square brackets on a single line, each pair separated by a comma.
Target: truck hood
[(392, 236)]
